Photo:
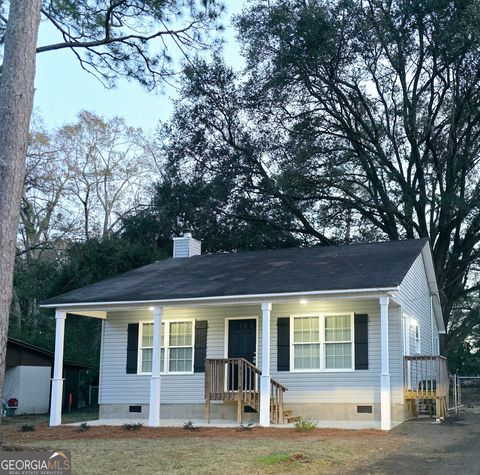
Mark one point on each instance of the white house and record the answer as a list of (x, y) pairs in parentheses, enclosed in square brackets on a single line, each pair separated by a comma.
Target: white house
[(321, 332)]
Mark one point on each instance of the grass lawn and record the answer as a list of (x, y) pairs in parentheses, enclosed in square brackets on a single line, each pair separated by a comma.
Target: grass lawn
[(208, 455), (418, 446), (102, 450)]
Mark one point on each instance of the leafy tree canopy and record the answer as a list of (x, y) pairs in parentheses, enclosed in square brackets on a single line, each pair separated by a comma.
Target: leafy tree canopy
[(353, 120)]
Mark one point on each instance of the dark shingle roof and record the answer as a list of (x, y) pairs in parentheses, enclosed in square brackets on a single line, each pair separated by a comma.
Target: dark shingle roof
[(323, 268)]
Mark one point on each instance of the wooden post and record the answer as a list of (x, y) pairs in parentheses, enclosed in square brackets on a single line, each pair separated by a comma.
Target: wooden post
[(208, 371), (281, 406), (438, 409), (240, 390)]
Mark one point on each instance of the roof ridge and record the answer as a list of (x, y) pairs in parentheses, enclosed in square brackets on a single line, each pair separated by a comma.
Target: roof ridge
[(319, 246)]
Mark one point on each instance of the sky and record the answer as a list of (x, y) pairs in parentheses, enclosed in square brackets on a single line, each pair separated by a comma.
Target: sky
[(63, 88)]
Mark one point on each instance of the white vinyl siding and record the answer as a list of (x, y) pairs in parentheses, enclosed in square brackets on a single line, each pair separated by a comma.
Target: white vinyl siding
[(414, 298), (360, 387)]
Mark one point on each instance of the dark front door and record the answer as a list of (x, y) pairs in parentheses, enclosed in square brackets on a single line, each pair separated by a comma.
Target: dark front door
[(242, 343), (242, 339)]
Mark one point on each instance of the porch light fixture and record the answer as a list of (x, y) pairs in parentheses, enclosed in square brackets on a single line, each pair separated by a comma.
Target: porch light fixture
[(303, 301), (151, 308)]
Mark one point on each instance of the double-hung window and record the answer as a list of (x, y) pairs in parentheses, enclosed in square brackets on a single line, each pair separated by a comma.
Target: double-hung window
[(322, 342), (176, 343), (338, 342), (306, 343), (180, 347)]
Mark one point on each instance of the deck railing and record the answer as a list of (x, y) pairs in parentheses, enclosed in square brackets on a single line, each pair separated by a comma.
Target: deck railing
[(426, 377), (236, 379)]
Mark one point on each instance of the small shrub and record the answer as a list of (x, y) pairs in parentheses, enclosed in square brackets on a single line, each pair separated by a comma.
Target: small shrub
[(133, 426), (191, 426), (245, 427), (83, 427), (27, 428), (305, 424)]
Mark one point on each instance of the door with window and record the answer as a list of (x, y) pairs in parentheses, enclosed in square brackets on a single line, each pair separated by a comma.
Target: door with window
[(242, 343)]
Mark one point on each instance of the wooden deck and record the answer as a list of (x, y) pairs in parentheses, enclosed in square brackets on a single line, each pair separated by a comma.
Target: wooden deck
[(426, 382), (236, 379)]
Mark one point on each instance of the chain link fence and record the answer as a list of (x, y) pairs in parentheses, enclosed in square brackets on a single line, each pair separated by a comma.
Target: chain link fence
[(465, 393)]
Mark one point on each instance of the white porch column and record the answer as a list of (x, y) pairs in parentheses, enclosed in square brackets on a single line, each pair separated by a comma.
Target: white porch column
[(154, 408), (57, 381), (385, 393), (265, 377)]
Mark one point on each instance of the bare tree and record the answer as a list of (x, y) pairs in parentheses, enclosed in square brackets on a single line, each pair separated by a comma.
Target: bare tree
[(43, 217), (107, 162)]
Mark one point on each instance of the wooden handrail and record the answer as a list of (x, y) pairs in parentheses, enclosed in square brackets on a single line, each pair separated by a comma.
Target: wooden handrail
[(236, 379), (426, 376)]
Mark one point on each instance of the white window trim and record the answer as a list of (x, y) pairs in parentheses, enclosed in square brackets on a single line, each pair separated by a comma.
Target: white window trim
[(322, 343), (166, 335)]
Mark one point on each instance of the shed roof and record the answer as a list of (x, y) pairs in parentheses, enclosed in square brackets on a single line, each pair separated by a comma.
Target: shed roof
[(47, 355)]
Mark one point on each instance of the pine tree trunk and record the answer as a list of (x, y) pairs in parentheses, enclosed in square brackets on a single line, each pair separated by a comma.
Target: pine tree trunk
[(16, 102)]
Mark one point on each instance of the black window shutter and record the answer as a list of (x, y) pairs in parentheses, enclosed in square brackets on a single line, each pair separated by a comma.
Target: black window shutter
[(361, 341), (283, 344), (132, 348), (200, 346)]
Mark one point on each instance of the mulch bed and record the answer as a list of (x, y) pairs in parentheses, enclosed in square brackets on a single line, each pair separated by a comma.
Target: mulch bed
[(44, 432)]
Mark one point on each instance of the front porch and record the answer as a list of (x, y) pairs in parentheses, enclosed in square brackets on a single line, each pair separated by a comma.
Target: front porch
[(180, 365)]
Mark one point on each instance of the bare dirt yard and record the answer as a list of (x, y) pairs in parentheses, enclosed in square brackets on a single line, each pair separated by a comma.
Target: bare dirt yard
[(418, 447)]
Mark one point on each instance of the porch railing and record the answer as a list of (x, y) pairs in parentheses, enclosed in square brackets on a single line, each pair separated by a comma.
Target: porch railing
[(236, 379), (426, 379), (426, 376)]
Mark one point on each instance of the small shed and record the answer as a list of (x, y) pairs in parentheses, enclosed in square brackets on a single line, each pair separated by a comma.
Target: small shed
[(28, 375)]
